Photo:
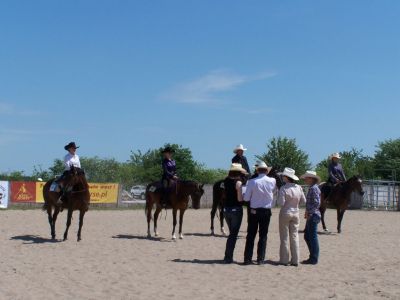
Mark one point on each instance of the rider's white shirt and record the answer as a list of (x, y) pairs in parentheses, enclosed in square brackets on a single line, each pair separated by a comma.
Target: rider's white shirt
[(71, 160)]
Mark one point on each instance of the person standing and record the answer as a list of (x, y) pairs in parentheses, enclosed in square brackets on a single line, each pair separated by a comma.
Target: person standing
[(259, 193), (312, 215), (290, 196), (239, 158), (233, 211)]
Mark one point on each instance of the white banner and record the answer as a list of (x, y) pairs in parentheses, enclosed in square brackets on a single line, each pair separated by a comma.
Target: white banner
[(4, 194)]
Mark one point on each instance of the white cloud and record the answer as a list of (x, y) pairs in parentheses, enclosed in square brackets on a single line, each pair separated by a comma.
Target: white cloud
[(254, 111), (10, 109), (207, 89)]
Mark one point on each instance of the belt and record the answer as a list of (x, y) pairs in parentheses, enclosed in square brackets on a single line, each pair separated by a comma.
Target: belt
[(261, 208), (233, 209)]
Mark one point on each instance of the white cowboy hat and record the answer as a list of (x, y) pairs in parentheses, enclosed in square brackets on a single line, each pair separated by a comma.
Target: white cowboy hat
[(310, 174), (237, 168), (239, 147), (264, 166), (288, 172), (336, 155), (257, 164)]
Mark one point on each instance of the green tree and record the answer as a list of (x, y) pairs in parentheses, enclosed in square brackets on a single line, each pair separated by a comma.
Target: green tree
[(354, 162), (284, 152), (387, 159), (15, 176)]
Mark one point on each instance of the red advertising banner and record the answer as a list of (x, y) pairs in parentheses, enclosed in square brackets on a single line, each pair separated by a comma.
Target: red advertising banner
[(22, 191)]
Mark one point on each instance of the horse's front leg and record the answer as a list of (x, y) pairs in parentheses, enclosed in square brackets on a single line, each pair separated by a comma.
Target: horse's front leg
[(69, 218), (340, 214), (174, 212), (221, 220), (213, 211), (149, 208), (323, 210), (81, 215), (50, 218), (181, 213), (156, 214), (53, 229)]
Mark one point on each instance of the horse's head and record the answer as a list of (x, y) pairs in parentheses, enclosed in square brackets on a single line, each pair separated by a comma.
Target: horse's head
[(196, 195), (73, 177), (356, 184), (274, 173)]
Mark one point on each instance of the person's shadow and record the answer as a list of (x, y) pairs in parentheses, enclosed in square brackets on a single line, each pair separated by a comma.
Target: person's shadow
[(199, 261), (33, 239)]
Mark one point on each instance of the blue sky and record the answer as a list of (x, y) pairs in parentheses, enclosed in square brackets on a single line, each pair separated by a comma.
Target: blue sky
[(116, 76)]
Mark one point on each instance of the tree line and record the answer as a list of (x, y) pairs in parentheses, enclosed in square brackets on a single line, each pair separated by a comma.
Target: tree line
[(281, 152)]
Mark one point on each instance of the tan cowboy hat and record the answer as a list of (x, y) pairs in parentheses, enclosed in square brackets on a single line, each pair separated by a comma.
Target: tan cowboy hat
[(336, 155), (262, 165), (239, 147), (288, 172), (310, 174), (237, 168)]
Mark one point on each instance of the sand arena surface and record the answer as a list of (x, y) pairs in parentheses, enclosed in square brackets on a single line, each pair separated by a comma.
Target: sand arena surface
[(115, 260)]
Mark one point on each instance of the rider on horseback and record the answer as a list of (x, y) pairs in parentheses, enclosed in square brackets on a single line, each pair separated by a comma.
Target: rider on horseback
[(169, 176), (239, 158), (71, 159), (336, 175), (335, 169)]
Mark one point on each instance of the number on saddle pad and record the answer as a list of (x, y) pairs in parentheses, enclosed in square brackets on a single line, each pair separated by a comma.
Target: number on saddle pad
[(54, 187), (222, 186), (152, 189)]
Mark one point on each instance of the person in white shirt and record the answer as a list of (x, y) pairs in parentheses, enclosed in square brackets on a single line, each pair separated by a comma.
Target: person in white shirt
[(290, 196), (260, 193), (71, 159)]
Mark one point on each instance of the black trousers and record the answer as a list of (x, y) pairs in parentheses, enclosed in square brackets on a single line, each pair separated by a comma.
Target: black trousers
[(258, 221)]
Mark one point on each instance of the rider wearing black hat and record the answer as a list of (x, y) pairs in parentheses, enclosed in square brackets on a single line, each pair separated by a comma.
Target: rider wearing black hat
[(169, 176)]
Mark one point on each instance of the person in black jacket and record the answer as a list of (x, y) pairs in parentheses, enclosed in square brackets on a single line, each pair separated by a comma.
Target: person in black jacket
[(233, 211), (239, 158)]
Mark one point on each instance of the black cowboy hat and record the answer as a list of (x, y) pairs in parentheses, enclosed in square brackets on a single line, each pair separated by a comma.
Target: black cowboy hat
[(70, 145), (168, 150)]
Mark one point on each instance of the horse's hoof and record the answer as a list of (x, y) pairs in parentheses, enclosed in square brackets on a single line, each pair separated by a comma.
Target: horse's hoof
[(174, 237), (326, 230), (212, 233), (223, 231), (64, 239), (79, 239), (156, 234), (181, 236)]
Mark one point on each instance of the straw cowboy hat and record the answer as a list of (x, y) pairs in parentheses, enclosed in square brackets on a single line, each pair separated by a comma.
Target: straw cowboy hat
[(336, 155), (239, 147), (237, 168), (263, 166), (70, 145), (288, 172), (311, 174)]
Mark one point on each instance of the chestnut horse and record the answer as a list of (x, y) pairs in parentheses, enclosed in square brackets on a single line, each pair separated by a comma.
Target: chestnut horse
[(219, 198), (77, 197), (340, 198), (178, 200)]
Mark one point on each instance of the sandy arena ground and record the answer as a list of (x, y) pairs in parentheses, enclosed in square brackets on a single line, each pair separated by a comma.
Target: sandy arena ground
[(115, 260)]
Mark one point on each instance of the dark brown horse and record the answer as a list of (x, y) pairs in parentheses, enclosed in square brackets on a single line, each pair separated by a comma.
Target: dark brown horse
[(77, 197), (178, 200), (340, 198), (219, 198)]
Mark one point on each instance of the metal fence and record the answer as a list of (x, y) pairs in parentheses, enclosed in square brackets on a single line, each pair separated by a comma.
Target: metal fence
[(382, 195)]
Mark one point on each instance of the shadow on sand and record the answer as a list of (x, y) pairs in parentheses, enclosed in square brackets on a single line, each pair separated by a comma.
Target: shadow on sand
[(139, 237), (33, 239), (204, 235), (217, 262)]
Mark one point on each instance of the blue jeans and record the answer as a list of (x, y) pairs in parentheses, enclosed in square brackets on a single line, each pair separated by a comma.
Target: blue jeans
[(233, 217), (311, 237)]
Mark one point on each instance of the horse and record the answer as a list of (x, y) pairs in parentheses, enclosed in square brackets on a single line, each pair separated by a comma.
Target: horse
[(340, 198), (219, 198), (77, 197), (178, 200)]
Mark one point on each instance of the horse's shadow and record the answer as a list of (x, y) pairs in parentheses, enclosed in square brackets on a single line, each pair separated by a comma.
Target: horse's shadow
[(322, 232), (33, 239), (139, 237), (197, 234), (199, 261)]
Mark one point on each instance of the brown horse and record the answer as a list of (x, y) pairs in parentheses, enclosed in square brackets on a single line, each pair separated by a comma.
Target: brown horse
[(177, 201), (219, 198), (340, 198), (77, 197)]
